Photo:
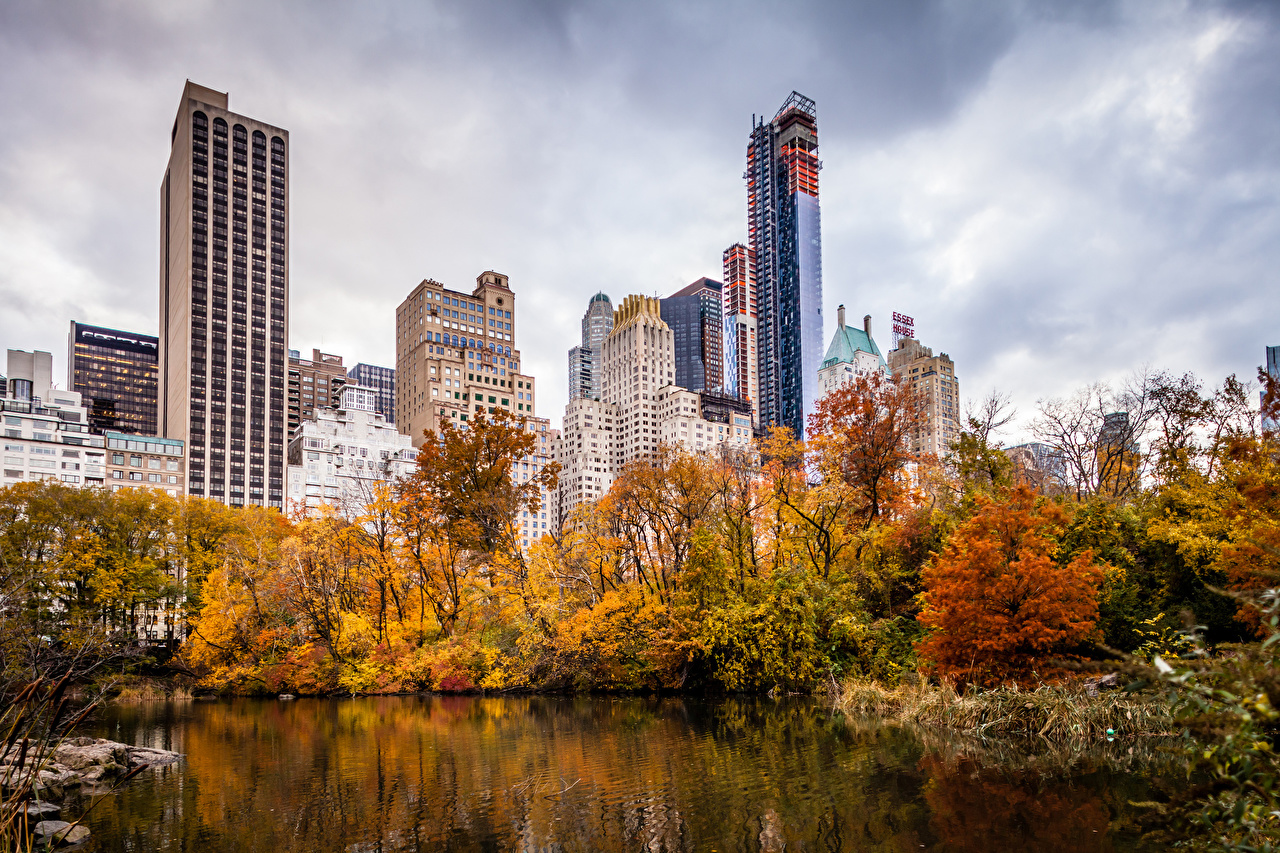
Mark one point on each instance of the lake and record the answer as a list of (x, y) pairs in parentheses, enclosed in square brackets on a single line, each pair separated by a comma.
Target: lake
[(419, 773)]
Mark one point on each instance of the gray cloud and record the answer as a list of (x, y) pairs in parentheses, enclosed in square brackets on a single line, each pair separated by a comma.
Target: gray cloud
[(1059, 192)]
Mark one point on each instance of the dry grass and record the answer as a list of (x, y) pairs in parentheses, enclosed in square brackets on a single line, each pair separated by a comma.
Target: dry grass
[(1056, 713), (147, 690)]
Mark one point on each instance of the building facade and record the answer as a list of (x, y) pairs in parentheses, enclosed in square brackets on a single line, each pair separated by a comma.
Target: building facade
[(145, 462), (339, 455), (46, 431), (934, 379), (852, 353), (785, 239), (584, 359), (115, 374), (383, 382), (455, 356), (639, 359), (224, 299), (693, 421), (642, 410), (586, 451), (696, 317), (315, 383), (740, 374), (532, 525)]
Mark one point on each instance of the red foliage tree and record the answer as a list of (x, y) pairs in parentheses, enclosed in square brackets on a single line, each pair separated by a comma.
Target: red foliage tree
[(998, 601)]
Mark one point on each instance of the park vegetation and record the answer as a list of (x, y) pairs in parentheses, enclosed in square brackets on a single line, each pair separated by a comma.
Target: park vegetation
[(978, 590), (798, 566)]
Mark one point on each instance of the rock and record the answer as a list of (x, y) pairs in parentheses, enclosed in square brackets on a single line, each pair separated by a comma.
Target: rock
[(1110, 681), (78, 756), (152, 757), (79, 761), (105, 758), (59, 832), (75, 835), (43, 811)]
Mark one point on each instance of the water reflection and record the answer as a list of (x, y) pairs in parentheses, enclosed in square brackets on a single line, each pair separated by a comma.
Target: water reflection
[(588, 774)]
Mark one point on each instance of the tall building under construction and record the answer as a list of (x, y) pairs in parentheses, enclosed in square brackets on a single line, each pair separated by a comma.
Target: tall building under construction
[(785, 242), (740, 375)]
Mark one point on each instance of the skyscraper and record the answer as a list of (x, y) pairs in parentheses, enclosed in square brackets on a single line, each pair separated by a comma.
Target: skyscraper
[(224, 299), (785, 239), (115, 373), (740, 377), (454, 356), (639, 359), (695, 315), (933, 379), (584, 360)]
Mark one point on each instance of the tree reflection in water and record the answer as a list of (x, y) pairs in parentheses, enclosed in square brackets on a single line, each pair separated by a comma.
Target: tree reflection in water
[(570, 774)]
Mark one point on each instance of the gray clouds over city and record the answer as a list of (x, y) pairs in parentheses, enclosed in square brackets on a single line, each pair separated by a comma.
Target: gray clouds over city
[(1059, 193)]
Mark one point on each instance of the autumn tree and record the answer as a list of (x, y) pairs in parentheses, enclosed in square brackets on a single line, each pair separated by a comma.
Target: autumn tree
[(322, 581), (861, 433), (1000, 599), (1096, 435), (812, 515), (975, 461), (468, 472), (201, 529), (438, 570), (654, 507)]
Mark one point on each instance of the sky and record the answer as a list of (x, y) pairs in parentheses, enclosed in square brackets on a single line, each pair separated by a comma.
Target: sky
[(1058, 193)]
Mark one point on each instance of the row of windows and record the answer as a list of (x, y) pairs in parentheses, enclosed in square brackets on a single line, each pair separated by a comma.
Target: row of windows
[(137, 476)]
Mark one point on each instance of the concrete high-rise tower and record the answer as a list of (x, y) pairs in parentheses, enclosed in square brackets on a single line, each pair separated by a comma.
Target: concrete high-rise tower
[(584, 360), (785, 238), (224, 299)]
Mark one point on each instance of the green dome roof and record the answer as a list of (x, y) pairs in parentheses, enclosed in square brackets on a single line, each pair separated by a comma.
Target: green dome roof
[(847, 342)]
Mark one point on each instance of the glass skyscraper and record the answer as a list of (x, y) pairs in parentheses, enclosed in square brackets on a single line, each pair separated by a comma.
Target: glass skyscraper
[(115, 373), (694, 314), (785, 237)]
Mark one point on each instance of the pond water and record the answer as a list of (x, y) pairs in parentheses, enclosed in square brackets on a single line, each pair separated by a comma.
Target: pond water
[(591, 774)]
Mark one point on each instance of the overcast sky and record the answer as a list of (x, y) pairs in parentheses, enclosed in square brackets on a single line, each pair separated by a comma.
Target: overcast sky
[(1059, 193)]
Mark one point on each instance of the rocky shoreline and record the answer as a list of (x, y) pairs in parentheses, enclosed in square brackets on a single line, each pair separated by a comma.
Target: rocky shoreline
[(33, 774)]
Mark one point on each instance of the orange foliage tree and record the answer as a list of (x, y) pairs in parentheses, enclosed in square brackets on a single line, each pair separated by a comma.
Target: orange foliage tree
[(861, 432), (1001, 599)]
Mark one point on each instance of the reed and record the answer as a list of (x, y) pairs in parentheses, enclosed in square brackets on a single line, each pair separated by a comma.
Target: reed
[(150, 690), (1054, 712)]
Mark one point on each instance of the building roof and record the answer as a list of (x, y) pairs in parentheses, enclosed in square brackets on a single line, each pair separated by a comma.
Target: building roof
[(599, 297), (848, 341)]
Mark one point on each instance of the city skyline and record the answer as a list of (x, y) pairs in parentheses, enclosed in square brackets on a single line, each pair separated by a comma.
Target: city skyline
[(1120, 216)]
